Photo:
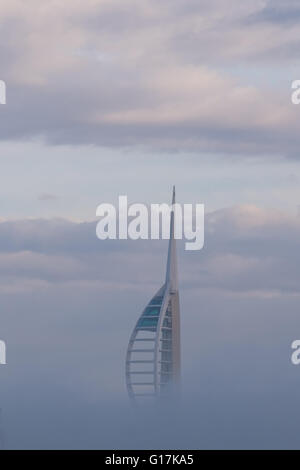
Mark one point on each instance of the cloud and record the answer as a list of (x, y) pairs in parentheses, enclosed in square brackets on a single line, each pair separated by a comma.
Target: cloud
[(68, 306), (47, 197), (247, 249), (146, 74), (278, 11)]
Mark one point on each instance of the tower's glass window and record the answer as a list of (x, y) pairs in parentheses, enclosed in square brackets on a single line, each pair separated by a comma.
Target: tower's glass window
[(151, 311), (156, 300), (148, 322)]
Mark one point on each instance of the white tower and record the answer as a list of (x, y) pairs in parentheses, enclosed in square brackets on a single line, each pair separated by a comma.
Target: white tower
[(153, 353)]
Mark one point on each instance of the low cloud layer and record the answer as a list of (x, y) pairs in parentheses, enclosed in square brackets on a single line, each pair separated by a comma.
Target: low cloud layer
[(70, 301)]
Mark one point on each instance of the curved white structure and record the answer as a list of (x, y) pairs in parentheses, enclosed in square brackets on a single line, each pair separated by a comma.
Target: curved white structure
[(153, 354)]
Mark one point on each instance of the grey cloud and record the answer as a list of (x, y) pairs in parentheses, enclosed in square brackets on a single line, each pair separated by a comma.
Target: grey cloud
[(150, 83), (47, 197), (246, 250), (67, 339), (278, 11)]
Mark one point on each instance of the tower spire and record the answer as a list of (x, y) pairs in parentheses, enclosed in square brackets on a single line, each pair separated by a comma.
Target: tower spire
[(171, 274)]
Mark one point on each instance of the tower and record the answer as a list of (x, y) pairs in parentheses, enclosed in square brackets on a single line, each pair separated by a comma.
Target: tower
[(153, 353)]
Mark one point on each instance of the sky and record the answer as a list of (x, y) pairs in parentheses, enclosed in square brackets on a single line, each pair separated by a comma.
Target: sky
[(128, 97)]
